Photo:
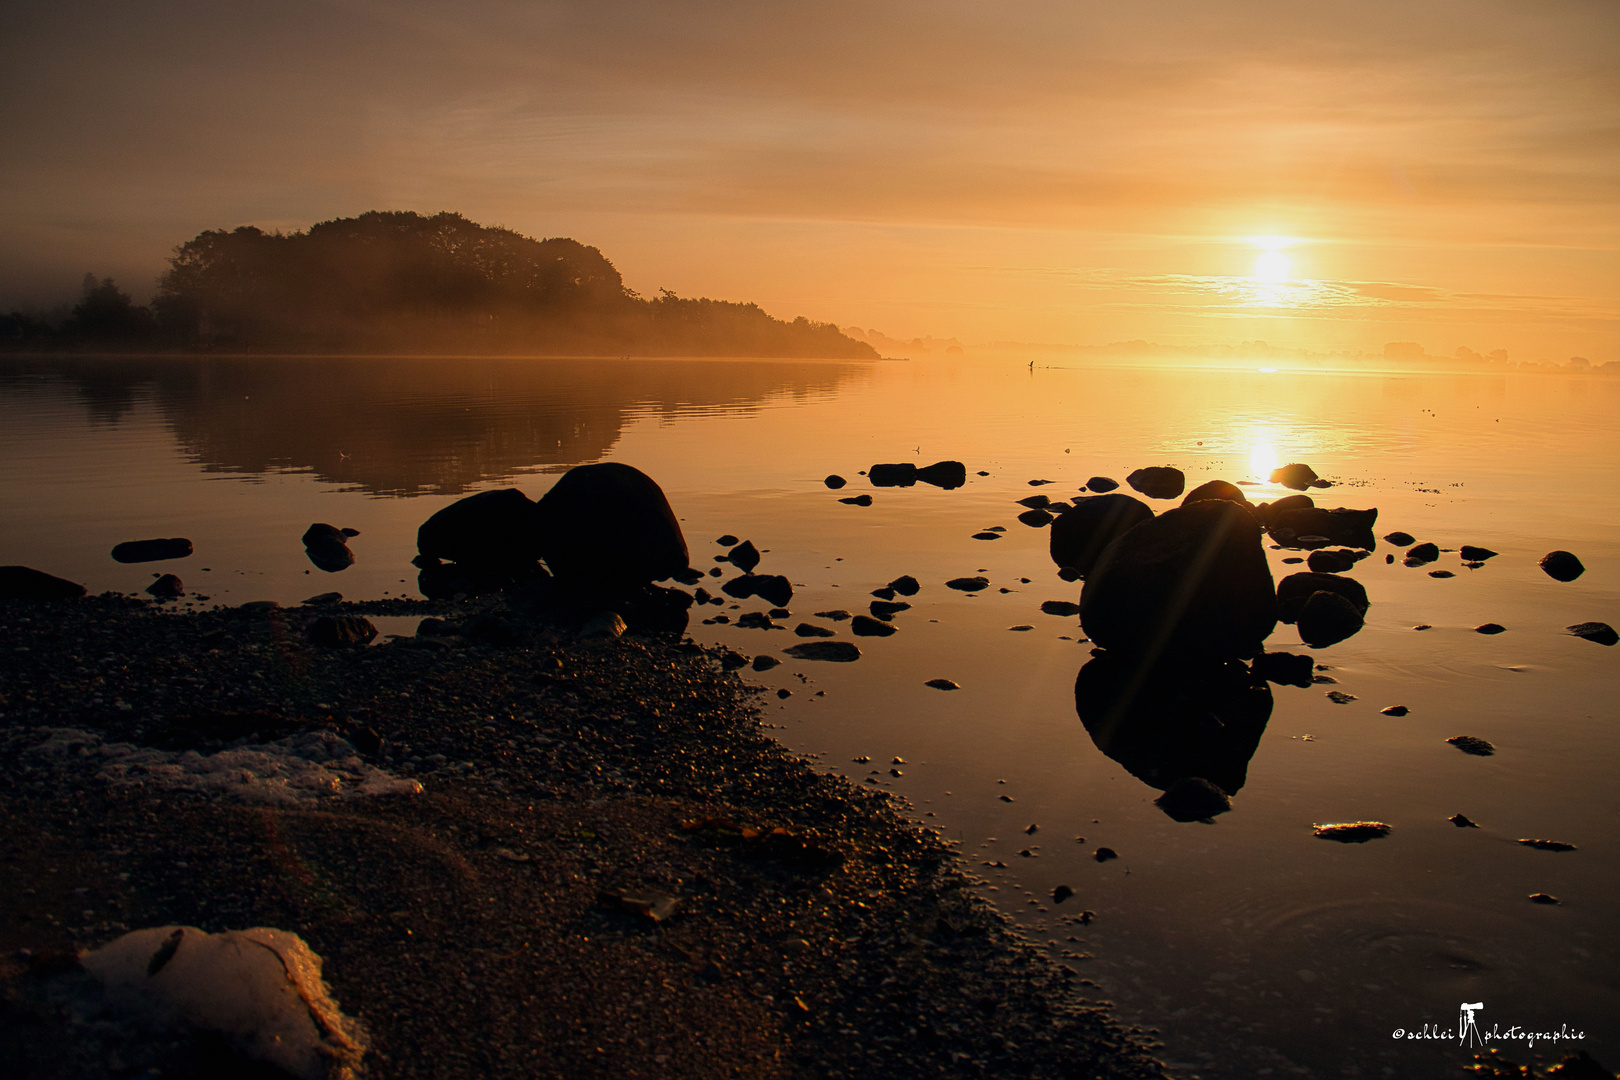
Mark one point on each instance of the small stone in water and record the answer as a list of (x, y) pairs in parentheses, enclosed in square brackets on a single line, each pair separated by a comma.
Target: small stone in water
[(1543, 898), (1462, 821), (1339, 697), (1548, 845), (1395, 710), (1059, 607), (1600, 632), (1468, 744), (943, 684), (1353, 832), (1061, 893), (835, 481), (1441, 573), (906, 585), (805, 629), (858, 500), (727, 541), (1562, 566), (1400, 539), (1103, 854), (986, 536), (1489, 628), (1470, 553)]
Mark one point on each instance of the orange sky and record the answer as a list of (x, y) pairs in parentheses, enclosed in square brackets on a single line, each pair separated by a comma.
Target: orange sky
[(1025, 171)]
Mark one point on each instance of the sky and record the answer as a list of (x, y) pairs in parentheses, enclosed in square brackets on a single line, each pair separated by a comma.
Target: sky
[(1438, 171)]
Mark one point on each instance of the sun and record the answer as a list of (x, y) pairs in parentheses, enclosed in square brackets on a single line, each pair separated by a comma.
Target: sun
[(1272, 265)]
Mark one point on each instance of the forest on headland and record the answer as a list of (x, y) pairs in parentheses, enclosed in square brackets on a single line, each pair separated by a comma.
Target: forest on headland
[(404, 283)]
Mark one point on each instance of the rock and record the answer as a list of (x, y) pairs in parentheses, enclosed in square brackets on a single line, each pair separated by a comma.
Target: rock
[(1061, 893), (756, 620), (835, 481), (603, 625), (838, 652), (1265, 513), (1041, 483), (259, 607), (885, 593), (1470, 553), (689, 576), (903, 474), (857, 500), (1340, 525), (1327, 618), (1084, 530), (773, 588), (490, 530), (1158, 481), (805, 629), (1328, 561), (1284, 668), (1294, 475), (942, 684), (1400, 539), (745, 556), (1035, 502), (1060, 607), (866, 626), (1421, 554), (327, 547), (968, 584), (888, 609), (1395, 710), (987, 536), (1216, 489), (727, 540), (334, 631), (944, 474), (26, 583), (1353, 832), (1543, 898), (906, 585), (1035, 519), (1295, 589), (167, 587), (607, 528), (259, 991), (1441, 574), (322, 533), (1101, 484), (1562, 566), (731, 660), (1547, 845), (1103, 854), (836, 615), (1339, 697), (1490, 628), (137, 551), (1192, 798), (1462, 821), (1192, 580), (321, 599), (1470, 745), (764, 662), (1600, 632)]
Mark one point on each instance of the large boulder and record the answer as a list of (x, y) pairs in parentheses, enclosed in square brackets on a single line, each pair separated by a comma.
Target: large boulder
[(608, 527), (491, 530), (1352, 528), (26, 583), (1158, 481), (1216, 489), (1266, 512), (1081, 532), (1193, 580), (1327, 618), (1295, 589)]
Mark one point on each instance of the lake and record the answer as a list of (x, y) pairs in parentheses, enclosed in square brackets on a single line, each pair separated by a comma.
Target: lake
[(1252, 946)]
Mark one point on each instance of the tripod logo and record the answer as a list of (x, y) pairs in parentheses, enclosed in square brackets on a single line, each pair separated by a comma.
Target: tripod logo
[(1467, 1029)]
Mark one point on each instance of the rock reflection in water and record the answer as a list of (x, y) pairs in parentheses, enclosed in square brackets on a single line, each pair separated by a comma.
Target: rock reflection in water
[(1169, 723)]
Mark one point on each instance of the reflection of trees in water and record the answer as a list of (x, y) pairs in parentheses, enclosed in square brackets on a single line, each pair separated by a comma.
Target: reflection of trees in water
[(413, 426)]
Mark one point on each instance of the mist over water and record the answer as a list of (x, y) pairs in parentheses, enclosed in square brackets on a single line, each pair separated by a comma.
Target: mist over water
[(1249, 943)]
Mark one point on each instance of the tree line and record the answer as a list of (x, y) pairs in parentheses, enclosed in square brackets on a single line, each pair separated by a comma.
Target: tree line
[(401, 282)]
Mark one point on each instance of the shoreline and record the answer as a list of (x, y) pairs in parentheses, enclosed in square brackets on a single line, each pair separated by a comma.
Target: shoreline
[(495, 924)]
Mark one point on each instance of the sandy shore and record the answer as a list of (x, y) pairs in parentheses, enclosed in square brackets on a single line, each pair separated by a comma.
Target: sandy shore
[(496, 923)]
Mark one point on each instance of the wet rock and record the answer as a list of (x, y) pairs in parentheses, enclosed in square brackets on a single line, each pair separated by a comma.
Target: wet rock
[(1216, 489), (327, 547), (1400, 539), (1040, 483), (1295, 589), (1331, 561), (835, 481), (866, 626), (1061, 893), (764, 662), (745, 556), (1193, 580), (731, 660), (1353, 832), (335, 631), (1339, 697), (1192, 798), (605, 625), (1547, 845), (1340, 525), (167, 587), (756, 620), (1543, 898), (887, 609), (727, 540), (26, 583), (1420, 554), (1266, 512), (943, 474), (773, 588), (1035, 519), (1069, 573), (1285, 668), (906, 585), (1082, 532), (838, 652), (1395, 710), (1600, 632), (1060, 607), (1490, 628), (885, 593), (805, 629), (1468, 744), (942, 684), (1473, 554), (987, 536), (1441, 574), (1462, 821), (1158, 481), (1562, 566), (1327, 618), (903, 474), (1101, 484), (607, 528), (1294, 475), (1035, 502), (968, 584), (137, 551), (490, 530), (1103, 854), (836, 615), (857, 500)]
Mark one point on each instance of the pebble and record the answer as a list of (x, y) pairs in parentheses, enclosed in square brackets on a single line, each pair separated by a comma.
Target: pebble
[(1395, 710), (1468, 744), (857, 500), (943, 684), (1462, 821), (1489, 628)]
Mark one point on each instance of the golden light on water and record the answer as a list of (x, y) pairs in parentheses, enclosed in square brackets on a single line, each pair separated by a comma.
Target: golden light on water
[(1263, 458)]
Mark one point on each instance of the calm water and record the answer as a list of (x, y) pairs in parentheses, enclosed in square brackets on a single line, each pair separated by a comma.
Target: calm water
[(1255, 948)]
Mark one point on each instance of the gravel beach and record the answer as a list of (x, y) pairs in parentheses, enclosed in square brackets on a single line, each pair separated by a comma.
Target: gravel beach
[(608, 870)]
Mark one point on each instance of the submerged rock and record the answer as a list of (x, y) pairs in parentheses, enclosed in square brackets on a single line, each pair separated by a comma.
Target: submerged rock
[(1035, 502), (805, 629), (866, 626), (1400, 539), (1193, 580), (328, 548), (968, 584), (1470, 553), (26, 583), (942, 684), (1562, 566), (773, 588), (1035, 519), (1331, 561), (1420, 554), (135, 551), (1060, 607), (1158, 481), (838, 652), (906, 585), (1081, 532), (857, 500)]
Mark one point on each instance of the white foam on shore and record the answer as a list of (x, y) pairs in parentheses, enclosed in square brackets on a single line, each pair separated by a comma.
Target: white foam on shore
[(308, 767)]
